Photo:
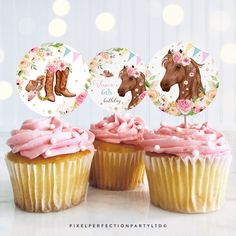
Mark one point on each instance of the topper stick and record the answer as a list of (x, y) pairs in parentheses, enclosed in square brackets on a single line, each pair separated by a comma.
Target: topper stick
[(185, 121)]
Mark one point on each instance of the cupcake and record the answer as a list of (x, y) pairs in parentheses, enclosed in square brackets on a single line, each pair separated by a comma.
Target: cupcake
[(187, 168), (49, 164), (118, 162)]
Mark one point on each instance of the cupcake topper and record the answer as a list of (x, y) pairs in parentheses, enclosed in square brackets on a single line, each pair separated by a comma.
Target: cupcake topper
[(118, 79), (52, 79), (182, 80)]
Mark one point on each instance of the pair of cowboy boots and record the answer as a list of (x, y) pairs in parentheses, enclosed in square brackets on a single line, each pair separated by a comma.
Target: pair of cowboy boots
[(60, 87)]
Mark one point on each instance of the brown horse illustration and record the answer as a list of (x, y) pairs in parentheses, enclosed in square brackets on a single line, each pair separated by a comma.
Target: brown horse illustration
[(186, 75), (133, 81), (46, 82)]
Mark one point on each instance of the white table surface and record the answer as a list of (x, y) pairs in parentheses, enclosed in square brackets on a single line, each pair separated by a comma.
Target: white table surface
[(106, 207)]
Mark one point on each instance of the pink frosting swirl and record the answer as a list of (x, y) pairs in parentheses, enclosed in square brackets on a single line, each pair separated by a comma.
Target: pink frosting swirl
[(119, 129), (192, 141), (49, 137)]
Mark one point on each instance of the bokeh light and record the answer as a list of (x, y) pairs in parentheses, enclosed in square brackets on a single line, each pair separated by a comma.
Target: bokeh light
[(173, 14), (61, 7), (105, 21), (5, 90), (228, 53), (57, 27)]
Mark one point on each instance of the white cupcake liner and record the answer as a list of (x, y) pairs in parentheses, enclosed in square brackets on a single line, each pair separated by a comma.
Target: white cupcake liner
[(187, 184), (49, 186), (117, 171)]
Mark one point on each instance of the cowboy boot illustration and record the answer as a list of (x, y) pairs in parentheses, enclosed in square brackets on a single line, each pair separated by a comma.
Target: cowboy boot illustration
[(49, 86), (61, 83)]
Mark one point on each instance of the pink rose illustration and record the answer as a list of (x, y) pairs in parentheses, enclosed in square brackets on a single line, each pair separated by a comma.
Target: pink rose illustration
[(177, 57), (184, 106), (50, 67), (61, 65), (80, 98)]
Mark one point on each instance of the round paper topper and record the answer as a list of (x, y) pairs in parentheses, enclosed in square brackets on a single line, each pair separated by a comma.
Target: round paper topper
[(53, 79), (118, 79), (182, 79)]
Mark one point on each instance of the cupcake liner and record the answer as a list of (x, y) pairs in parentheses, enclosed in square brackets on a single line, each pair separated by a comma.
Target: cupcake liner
[(51, 186), (117, 171), (187, 184)]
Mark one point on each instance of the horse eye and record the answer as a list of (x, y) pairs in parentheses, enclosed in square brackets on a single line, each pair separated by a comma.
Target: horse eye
[(178, 66), (130, 78)]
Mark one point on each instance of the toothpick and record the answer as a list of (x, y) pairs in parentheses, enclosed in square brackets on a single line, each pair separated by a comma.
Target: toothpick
[(185, 121)]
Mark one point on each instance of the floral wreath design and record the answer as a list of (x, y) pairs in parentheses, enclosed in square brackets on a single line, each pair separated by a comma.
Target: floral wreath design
[(180, 107), (42, 53)]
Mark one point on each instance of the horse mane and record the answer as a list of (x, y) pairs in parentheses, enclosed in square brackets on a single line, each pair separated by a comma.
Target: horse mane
[(197, 86)]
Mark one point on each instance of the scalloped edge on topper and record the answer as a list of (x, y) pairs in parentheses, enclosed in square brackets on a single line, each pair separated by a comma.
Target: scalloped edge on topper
[(170, 90), (118, 79), (53, 79)]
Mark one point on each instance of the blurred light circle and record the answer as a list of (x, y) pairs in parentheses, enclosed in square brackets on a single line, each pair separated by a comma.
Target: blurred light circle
[(173, 14), (5, 90), (61, 7), (57, 27), (26, 26), (228, 53), (105, 21), (2, 55), (220, 21)]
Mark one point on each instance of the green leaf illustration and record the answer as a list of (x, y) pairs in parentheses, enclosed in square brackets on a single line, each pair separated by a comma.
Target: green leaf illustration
[(147, 84), (57, 45), (152, 77), (118, 49), (20, 73)]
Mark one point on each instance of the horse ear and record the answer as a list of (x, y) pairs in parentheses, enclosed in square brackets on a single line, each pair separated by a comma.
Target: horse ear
[(169, 52), (124, 67), (142, 75)]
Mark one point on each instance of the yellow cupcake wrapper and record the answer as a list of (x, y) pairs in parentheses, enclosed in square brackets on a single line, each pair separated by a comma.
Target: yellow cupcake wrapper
[(49, 186), (117, 171), (188, 185)]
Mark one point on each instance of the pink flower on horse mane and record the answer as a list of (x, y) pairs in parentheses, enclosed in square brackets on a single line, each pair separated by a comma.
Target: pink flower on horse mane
[(80, 98), (186, 61), (177, 57), (61, 65), (184, 106), (133, 72), (142, 95)]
